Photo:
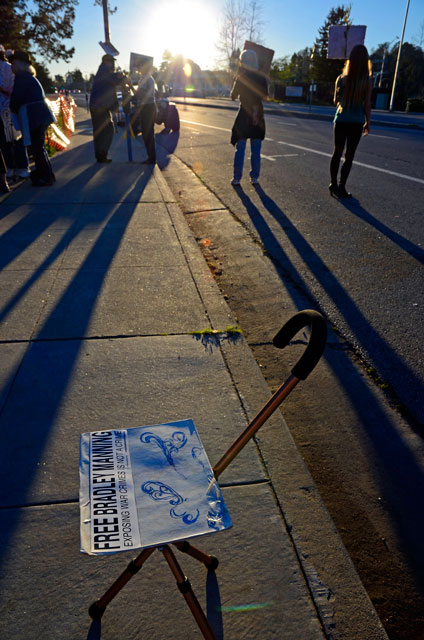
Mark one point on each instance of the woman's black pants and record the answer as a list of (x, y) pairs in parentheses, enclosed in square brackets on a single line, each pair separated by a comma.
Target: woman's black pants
[(43, 168), (147, 122), (349, 134)]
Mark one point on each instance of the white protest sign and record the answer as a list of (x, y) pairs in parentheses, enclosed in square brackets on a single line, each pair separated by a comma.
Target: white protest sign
[(146, 486), (342, 39)]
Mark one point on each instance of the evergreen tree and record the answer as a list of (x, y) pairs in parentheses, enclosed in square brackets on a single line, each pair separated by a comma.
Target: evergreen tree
[(410, 81), (38, 26), (323, 69)]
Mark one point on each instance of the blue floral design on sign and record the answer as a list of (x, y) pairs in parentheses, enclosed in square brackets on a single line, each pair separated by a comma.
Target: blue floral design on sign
[(162, 491), (169, 446)]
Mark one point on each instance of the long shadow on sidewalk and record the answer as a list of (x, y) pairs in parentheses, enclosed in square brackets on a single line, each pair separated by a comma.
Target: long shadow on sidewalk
[(29, 432), (400, 477)]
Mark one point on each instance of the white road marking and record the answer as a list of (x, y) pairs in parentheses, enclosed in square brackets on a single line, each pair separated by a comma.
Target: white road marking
[(321, 153), (360, 164), (272, 158), (208, 126), (376, 135), (286, 124)]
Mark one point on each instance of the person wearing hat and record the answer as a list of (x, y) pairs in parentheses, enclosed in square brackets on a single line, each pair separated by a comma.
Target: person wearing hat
[(28, 102), (103, 102), (251, 87)]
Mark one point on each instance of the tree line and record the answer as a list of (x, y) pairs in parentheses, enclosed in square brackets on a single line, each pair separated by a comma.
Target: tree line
[(311, 65), (41, 27)]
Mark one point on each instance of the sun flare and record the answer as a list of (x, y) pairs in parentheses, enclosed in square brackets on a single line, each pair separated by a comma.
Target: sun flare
[(187, 27)]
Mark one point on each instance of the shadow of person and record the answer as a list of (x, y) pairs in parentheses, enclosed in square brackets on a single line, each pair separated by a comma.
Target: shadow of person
[(166, 143), (354, 206)]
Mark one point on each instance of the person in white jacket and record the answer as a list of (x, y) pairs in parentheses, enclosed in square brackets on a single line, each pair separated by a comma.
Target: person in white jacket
[(11, 144)]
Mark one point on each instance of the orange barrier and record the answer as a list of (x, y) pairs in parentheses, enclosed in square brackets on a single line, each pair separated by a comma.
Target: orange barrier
[(59, 134)]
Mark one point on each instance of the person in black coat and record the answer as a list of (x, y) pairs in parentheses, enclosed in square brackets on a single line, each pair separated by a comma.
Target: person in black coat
[(28, 102), (103, 102), (251, 87)]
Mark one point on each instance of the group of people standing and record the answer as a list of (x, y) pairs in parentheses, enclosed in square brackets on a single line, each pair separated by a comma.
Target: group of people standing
[(103, 103), (24, 119), (352, 120), (22, 97)]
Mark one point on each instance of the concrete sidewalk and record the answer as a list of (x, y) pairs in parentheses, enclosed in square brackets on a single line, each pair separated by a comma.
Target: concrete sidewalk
[(104, 295)]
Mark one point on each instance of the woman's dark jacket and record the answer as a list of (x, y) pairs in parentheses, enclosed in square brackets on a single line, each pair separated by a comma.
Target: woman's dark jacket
[(27, 90), (251, 87)]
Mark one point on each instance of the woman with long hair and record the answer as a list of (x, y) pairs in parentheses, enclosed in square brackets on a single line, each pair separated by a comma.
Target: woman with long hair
[(352, 96)]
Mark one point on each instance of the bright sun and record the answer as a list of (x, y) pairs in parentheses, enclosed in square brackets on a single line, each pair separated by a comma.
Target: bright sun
[(188, 27)]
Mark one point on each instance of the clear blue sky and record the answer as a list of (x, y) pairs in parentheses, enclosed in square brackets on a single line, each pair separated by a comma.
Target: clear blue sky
[(191, 27)]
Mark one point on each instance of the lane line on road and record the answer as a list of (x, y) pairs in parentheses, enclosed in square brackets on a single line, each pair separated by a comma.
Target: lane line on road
[(376, 135), (272, 158), (360, 164), (208, 126), (321, 153)]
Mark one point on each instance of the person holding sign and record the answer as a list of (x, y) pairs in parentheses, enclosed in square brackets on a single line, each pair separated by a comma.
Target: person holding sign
[(352, 96), (103, 102), (251, 87), (146, 109)]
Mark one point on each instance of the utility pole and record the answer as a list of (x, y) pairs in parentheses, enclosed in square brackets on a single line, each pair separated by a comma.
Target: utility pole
[(386, 47), (106, 20), (398, 58)]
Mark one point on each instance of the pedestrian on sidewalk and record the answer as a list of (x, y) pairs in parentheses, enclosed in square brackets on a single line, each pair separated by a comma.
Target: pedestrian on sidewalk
[(251, 87), (11, 143), (103, 103), (146, 109), (28, 102), (352, 95)]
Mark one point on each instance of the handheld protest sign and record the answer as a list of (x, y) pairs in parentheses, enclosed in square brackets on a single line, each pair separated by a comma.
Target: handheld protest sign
[(265, 55), (342, 39), (138, 60)]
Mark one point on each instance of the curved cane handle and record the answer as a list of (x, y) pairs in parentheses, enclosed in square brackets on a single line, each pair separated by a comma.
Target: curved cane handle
[(316, 344)]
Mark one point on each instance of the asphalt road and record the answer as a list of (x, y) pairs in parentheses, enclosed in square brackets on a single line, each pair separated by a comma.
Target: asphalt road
[(378, 116), (360, 260)]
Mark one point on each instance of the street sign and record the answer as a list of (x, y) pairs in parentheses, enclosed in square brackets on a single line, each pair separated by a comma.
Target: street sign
[(109, 49)]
